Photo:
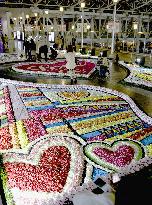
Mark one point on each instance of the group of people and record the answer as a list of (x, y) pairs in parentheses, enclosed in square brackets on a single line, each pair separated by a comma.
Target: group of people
[(34, 50), (41, 46)]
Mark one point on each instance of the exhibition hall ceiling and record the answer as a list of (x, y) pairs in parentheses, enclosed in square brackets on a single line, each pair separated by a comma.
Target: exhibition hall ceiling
[(133, 6)]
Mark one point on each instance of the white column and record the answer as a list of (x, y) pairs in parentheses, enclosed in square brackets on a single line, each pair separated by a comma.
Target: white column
[(107, 27), (47, 25), (144, 44), (126, 25), (148, 25), (62, 23), (100, 26), (82, 25), (44, 21), (8, 15), (134, 39), (55, 26), (36, 25), (23, 21), (137, 35), (92, 33), (113, 30)]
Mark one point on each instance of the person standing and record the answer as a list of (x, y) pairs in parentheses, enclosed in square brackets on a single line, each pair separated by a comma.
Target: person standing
[(11, 43), (62, 43), (26, 45), (57, 42), (70, 58), (68, 39), (53, 53), (3, 42), (43, 47), (117, 59), (6, 42), (33, 49)]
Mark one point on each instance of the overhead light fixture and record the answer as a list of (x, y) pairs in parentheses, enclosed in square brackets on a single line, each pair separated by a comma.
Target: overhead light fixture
[(82, 4), (27, 16), (21, 17), (88, 27), (14, 18), (51, 27), (115, 1), (135, 26), (46, 12), (73, 27), (61, 8), (35, 14)]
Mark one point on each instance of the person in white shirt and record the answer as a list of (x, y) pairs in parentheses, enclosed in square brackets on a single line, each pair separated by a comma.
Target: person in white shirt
[(70, 58)]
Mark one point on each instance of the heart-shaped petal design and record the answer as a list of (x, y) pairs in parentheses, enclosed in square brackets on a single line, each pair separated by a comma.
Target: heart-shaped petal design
[(115, 156), (52, 166)]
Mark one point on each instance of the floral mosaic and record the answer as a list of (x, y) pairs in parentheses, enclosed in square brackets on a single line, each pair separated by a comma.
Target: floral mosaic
[(138, 75), (57, 68), (72, 135)]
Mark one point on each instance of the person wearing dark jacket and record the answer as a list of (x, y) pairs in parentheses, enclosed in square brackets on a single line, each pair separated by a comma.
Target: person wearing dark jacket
[(43, 49), (117, 59), (27, 47), (53, 53)]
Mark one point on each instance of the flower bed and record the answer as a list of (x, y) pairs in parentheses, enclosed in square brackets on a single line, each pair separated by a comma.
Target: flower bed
[(10, 58), (73, 135), (139, 76), (83, 69)]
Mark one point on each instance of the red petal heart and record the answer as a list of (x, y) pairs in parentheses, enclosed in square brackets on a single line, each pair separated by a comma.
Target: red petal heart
[(50, 175), (121, 157)]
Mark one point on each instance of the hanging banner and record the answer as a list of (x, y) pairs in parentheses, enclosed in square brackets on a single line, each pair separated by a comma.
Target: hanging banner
[(110, 27)]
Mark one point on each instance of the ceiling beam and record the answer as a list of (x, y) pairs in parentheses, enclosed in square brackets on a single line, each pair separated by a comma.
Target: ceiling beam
[(143, 4)]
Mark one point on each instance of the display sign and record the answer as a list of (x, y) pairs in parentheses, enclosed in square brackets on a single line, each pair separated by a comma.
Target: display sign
[(22, 36), (51, 36), (18, 35), (15, 35)]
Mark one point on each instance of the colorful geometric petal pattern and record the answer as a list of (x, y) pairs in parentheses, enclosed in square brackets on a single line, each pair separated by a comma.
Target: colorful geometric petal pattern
[(107, 126)]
